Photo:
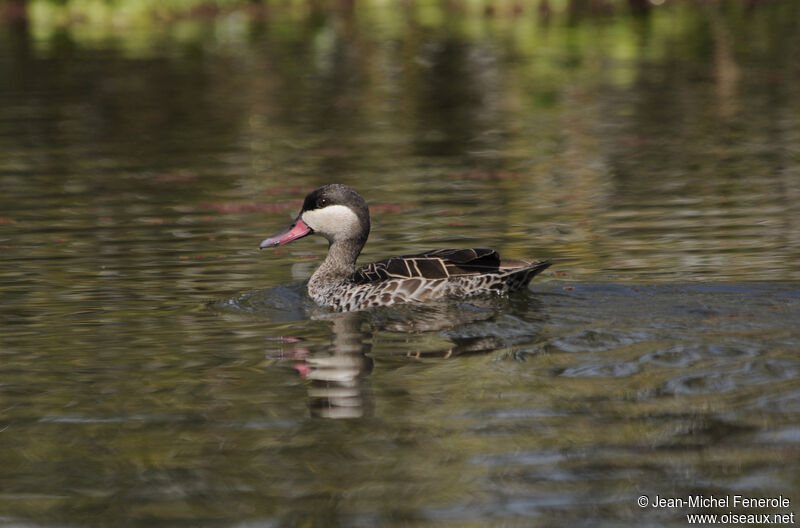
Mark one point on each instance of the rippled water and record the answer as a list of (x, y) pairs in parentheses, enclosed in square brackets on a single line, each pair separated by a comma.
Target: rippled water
[(157, 369)]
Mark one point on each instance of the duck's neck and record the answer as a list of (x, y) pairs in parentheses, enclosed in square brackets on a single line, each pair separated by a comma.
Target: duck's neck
[(340, 262)]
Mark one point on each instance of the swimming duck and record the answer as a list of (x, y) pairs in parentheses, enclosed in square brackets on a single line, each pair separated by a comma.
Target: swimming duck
[(341, 215)]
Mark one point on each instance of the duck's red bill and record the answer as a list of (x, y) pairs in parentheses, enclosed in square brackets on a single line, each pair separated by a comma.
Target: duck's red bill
[(297, 230)]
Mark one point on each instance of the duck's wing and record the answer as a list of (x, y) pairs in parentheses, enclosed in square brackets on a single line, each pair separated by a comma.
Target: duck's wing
[(436, 264)]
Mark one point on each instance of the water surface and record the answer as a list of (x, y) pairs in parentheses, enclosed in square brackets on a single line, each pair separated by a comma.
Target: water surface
[(157, 369)]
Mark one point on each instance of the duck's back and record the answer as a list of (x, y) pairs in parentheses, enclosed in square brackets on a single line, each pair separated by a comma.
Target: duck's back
[(451, 271), (430, 265)]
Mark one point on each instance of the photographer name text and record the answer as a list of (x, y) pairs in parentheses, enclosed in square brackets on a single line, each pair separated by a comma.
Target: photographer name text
[(723, 501)]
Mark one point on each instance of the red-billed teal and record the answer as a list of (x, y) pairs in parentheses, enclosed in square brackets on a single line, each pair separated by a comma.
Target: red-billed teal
[(340, 214)]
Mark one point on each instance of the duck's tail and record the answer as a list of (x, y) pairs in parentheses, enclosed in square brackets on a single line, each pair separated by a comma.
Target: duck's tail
[(518, 273)]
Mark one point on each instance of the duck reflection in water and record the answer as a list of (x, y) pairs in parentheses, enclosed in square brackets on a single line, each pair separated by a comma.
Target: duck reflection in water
[(338, 386), (338, 375)]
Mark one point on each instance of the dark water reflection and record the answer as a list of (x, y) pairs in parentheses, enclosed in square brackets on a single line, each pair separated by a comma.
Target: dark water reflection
[(156, 369)]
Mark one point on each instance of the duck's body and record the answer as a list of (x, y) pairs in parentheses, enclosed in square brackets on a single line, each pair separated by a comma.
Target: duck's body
[(340, 214), (428, 276)]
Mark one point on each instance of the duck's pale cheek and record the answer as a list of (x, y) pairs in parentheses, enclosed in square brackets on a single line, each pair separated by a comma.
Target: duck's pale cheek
[(334, 221)]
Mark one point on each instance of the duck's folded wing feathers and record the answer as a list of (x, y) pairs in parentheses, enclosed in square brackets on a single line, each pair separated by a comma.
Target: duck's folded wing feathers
[(436, 264)]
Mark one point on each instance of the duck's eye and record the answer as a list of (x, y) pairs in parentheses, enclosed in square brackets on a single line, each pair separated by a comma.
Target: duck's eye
[(322, 202)]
